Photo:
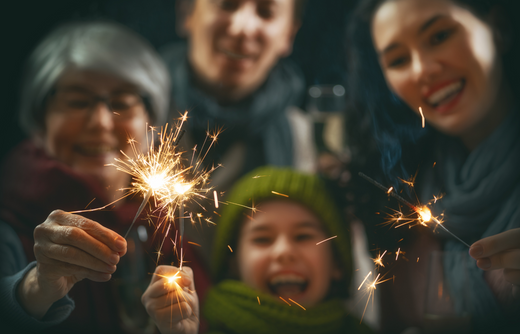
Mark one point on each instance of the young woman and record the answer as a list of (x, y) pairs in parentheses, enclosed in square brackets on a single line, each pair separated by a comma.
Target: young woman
[(455, 63)]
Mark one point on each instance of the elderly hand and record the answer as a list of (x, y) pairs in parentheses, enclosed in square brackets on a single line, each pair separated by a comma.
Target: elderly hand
[(501, 251), (172, 302), (68, 248)]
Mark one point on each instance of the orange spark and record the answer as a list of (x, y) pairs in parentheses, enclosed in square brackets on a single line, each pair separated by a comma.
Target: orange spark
[(279, 194), (230, 248), (379, 260), (390, 190), (422, 116), (370, 273), (194, 243), (398, 250), (326, 240), (285, 301), (258, 300), (298, 304)]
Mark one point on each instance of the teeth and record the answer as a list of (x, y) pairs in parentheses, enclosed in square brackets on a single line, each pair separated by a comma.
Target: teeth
[(234, 55), (444, 93), (287, 279)]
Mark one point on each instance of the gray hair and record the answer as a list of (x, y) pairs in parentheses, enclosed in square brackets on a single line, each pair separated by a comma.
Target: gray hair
[(103, 46)]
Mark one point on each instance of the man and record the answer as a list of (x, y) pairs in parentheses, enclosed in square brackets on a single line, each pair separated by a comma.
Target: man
[(230, 75)]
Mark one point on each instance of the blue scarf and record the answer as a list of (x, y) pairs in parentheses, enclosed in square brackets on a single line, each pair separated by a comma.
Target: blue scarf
[(482, 198), (259, 120)]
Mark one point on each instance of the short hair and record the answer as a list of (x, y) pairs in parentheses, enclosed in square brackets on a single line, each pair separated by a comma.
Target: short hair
[(93, 45)]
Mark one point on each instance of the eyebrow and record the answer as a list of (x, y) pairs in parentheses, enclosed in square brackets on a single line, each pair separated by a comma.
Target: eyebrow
[(422, 29)]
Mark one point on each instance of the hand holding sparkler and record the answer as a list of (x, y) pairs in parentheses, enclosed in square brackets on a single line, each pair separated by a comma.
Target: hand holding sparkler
[(68, 248), (500, 251), (171, 300)]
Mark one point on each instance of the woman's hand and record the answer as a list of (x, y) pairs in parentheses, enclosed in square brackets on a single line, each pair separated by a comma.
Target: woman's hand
[(171, 300), (501, 251), (68, 248)]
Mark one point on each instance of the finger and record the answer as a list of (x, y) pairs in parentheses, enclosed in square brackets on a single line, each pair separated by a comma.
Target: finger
[(512, 276), (173, 297), (495, 244), (53, 269), (78, 238), (171, 313), (73, 255), (509, 259), (96, 230)]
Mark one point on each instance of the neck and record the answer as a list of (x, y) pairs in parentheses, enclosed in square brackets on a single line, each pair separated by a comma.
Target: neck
[(223, 94), (489, 124)]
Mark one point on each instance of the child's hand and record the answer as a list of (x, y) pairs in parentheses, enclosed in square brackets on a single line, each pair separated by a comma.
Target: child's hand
[(171, 300), (501, 251)]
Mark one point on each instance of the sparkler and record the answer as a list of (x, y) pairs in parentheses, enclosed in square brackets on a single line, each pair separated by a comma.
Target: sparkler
[(424, 213), (162, 174)]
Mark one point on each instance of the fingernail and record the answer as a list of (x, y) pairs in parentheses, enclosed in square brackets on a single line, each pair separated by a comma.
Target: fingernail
[(114, 258), (111, 269), (484, 263), (121, 244), (476, 251)]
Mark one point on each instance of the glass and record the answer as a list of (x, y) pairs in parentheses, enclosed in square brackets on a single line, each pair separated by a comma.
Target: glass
[(79, 103), (446, 311), (326, 104)]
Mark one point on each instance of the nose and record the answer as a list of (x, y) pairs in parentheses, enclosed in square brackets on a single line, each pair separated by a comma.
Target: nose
[(283, 250), (245, 20), (100, 117), (424, 67)]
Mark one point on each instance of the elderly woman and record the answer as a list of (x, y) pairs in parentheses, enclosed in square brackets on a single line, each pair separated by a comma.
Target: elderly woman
[(88, 88)]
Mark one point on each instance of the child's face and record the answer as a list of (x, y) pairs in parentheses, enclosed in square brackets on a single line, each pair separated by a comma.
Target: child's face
[(277, 253)]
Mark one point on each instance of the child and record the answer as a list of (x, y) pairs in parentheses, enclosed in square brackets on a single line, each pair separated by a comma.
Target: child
[(273, 275)]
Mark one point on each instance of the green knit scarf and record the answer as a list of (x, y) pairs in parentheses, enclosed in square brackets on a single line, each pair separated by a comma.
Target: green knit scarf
[(232, 307)]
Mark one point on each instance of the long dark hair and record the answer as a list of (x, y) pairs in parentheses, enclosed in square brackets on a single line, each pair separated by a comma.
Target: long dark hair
[(379, 122)]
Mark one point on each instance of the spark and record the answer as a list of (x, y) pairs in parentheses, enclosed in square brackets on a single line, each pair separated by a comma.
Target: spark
[(194, 243), (258, 298), (285, 301), (366, 277), (230, 248), (370, 290), (326, 240), (417, 259), (390, 190), (162, 174), (422, 116), (424, 214), (215, 197), (298, 304), (379, 260), (279, 194), (398, 251)]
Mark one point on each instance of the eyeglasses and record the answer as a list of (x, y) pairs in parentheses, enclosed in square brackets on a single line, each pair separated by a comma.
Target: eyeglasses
[(79, 103)]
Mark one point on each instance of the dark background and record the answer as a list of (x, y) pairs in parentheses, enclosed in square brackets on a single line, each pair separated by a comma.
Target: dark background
[(318, 47)]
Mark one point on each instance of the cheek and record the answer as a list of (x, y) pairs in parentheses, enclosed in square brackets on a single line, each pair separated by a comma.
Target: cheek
[(135, 129), (60, 136), (251, 264)]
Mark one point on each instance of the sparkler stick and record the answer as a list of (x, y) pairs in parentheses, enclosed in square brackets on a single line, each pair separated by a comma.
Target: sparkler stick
[(181, 227), (141, 207), (424, 212)]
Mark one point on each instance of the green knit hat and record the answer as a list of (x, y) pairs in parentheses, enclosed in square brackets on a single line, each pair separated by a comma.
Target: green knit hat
[(258, 186)]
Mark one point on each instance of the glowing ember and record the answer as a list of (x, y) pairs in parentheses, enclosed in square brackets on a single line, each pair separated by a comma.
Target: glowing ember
[(424, 213)]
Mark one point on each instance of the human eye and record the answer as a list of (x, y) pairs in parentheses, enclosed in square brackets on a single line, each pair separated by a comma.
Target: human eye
[(441, 36), (261, 240), (396, 62), (124, 102), (227, 5), (265, 10)]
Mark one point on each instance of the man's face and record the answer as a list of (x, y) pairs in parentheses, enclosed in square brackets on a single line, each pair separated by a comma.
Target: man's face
[(234, 44)]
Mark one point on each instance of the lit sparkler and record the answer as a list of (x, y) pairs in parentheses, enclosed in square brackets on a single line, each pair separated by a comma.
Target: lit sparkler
[(162, 173), (424, 213)]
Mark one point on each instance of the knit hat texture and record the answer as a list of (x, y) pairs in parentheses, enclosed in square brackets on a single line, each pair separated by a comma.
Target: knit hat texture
[(267, 183)]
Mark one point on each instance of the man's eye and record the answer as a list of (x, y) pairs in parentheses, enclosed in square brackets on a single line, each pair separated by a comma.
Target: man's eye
[(440, 37), (265, 12)]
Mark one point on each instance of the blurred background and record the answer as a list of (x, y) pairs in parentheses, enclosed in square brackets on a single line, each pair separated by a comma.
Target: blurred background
[(318, 48)]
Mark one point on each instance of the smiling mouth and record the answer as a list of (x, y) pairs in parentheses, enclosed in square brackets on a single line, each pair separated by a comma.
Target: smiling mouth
[(234, 55), (287, 285), (446, 94)]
